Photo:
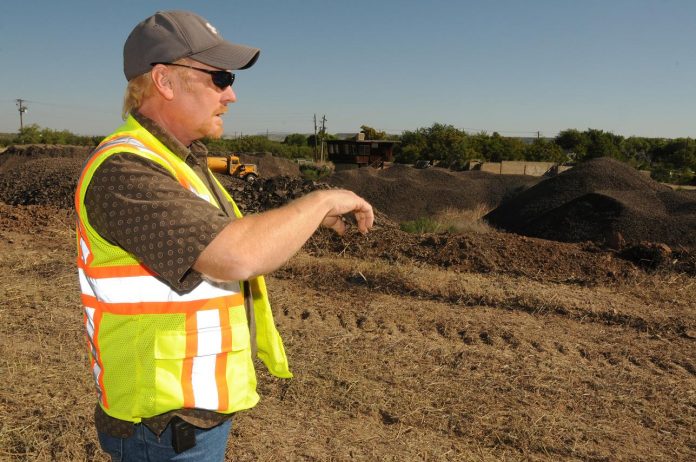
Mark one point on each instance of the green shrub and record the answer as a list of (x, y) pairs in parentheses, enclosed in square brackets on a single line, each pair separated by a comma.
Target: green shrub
[(316, 170), (422, 225)]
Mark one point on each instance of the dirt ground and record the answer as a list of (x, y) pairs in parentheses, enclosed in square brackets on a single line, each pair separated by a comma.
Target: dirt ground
[(486, 346)]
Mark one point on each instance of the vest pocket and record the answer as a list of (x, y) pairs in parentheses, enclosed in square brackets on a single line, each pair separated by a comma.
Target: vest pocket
[(240, 337), (203, 368), (203, 342)]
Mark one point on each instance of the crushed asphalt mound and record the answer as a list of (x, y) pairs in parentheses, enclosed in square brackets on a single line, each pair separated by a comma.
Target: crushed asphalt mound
[(40, 181), (404, 193), (267, 193), (47, 175), (604, 201)]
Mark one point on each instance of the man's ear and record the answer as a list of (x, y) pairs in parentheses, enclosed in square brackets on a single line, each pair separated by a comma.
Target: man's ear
[(161, 77)]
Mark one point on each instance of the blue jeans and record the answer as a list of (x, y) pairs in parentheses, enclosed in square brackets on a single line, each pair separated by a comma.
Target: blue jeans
[(145, 446)]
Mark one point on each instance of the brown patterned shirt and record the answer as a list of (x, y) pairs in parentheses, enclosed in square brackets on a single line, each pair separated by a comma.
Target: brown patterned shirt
[(138, 205)]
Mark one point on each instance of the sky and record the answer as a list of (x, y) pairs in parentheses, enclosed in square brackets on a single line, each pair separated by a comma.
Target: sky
[(515, 67)]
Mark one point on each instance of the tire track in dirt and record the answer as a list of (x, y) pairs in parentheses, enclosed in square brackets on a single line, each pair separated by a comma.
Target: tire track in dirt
[(504, 378), (533, 299)]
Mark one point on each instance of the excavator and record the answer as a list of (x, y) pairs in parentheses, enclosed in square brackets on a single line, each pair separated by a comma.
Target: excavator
[(230, 165)]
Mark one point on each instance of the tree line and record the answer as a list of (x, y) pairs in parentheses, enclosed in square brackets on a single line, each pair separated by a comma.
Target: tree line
[(33, 134), (669, 160)]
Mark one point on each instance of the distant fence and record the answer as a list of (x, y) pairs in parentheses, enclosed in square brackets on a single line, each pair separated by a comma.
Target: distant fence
[(514, 167)]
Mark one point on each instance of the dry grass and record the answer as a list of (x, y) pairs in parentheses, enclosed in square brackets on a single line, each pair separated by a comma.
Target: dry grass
[(524, 371), (429, 379), (47, 402), (631, 305), (392, 362), (451, 220), (464, 221)]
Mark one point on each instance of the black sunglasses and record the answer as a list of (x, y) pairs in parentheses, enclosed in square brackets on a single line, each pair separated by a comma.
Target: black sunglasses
[(221, 79)]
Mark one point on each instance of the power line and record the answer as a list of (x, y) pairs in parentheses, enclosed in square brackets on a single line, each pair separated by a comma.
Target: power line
[(67, 106), (262, 118)]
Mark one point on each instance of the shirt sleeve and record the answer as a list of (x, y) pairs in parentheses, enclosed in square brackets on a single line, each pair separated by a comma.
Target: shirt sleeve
[(138, 205)]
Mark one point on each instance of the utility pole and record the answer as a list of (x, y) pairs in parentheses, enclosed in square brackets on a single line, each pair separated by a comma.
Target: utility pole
[(22, 109), (323, 134), (315, 138)]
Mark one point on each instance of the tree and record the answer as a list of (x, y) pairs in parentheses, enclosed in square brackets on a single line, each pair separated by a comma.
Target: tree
[(444, 142), (33, 134), (30, 134), (679, 153), (573, 142), (637, 151), (371, 133), (413, 144), (296, 139), (544, 150), (497, 148), (327, 136), (602, 144)]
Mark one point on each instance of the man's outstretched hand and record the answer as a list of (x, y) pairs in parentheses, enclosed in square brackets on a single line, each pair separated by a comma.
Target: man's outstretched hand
[(345, 202)]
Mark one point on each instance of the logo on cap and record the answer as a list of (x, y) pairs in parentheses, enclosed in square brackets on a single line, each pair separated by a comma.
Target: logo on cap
[(212, 29)]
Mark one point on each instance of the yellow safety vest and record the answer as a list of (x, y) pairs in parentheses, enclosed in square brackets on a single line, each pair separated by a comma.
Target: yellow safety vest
[(152, 350)]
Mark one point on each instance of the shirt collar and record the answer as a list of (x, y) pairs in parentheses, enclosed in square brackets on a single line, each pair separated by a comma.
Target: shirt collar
[(197, 148)]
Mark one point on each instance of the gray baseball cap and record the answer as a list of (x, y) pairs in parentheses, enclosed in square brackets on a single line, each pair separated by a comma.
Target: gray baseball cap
[(170, 35)]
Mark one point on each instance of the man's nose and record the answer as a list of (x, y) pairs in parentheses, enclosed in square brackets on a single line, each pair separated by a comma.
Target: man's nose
[(229, 96)]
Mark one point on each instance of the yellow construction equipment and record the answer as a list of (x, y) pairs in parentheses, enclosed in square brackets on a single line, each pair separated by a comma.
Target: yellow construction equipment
[(231, 165)]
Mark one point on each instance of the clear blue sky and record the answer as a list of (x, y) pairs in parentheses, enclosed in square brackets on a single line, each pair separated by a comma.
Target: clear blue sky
[(625, 66)]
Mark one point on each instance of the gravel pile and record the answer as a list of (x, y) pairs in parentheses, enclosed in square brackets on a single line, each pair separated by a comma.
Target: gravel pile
[(604, 201), (41, 181), (404, 193), (47, 175), (267, 193)]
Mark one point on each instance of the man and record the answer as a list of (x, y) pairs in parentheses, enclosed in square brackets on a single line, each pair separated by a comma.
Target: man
[(175, 306)]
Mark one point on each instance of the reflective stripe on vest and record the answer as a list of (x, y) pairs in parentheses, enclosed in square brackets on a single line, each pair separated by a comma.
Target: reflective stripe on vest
[(95, 363)]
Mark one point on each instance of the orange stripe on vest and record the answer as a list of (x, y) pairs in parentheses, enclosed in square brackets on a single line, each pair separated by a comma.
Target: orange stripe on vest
[(191, 351), (123, 271), (221, 361), (188, 307)]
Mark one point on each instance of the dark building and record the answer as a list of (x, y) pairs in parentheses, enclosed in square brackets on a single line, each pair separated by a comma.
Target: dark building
[(360, 152)]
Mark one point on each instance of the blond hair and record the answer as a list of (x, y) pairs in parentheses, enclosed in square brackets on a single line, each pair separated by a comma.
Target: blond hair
[(137, 90), (142, 87)]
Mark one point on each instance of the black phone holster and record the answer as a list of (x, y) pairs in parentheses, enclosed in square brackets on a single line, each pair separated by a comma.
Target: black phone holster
[(183, 435)]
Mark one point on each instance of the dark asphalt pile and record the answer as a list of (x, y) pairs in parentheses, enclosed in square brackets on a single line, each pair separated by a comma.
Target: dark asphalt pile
[(41, 174), (604, 201), (267, 193), (17, 154), (404, 193), (40, 181), (48, 174), (585, 203)]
